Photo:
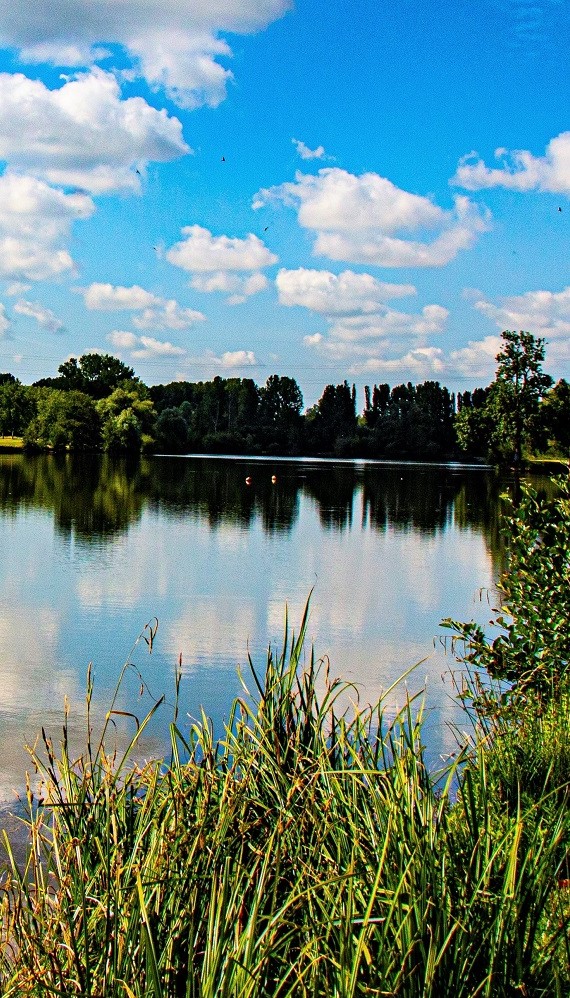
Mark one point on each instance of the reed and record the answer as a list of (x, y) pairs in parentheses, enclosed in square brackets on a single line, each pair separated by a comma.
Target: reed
[(309, 852)]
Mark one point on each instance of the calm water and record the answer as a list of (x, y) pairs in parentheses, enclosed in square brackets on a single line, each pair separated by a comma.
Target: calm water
[(92, 549)]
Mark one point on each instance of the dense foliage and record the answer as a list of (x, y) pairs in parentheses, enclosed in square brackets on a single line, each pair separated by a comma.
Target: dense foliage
[(532, 649), (520, 413)]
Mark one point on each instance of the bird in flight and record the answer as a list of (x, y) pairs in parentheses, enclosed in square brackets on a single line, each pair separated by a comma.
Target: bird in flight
[(223, 159)]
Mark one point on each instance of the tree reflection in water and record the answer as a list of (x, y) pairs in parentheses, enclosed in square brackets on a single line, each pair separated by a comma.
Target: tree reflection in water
[(98, 498)]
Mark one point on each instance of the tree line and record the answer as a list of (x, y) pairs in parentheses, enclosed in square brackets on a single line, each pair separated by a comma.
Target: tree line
[(96, 403)]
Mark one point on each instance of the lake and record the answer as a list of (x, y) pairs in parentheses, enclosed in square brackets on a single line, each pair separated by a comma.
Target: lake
[(93, 548)]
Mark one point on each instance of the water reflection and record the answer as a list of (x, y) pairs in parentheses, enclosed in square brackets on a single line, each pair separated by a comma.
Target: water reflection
[(98, 498), (93, 548)]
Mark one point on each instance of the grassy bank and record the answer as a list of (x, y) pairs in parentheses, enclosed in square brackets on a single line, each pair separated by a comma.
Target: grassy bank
[(310, 852), (11, 443)]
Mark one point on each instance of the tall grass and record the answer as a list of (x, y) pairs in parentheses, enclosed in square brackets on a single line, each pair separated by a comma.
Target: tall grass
[(309, 852)]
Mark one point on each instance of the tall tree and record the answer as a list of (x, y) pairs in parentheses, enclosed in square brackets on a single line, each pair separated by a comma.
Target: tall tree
[(96, 374), (17, 407), (555, 415), (520, 384)]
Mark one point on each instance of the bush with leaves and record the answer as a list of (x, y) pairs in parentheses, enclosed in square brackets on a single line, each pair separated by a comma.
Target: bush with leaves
[(532, 650)]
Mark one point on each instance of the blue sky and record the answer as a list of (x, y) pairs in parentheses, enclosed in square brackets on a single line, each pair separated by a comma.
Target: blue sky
[(361, 190)]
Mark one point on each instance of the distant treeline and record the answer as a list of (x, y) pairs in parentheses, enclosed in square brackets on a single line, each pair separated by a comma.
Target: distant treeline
[(98, 404)]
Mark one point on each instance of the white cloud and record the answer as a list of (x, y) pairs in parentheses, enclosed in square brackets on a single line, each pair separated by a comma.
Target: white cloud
[(236, 286), (122, 339), (380, 337), (143, 347), (155, 312), (331, 294), (168, 315), (5, 323), (17, 288), (82, 134), (236, 358), (229, 360), (420, 363), (390, 324), (477, 359), (519, 170), (543, 313), (367, 219), (35, 220), (151, 347), (201, 252), (113, 298), (174, 45), (43, 316), (361, 327), (305, 153), (222, 263)]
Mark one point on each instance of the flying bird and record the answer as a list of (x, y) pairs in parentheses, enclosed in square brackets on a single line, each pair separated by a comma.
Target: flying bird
[(559, 209)]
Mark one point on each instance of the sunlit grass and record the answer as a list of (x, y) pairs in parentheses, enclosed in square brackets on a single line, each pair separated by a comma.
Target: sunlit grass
[(11, 443), (309, 852)]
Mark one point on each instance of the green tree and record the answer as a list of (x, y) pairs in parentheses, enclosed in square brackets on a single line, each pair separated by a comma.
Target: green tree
[(64, 421), (172, 430), (532, 648), (474, 423), (555, 415), (96, 374), (17, 407), (332, 423), (281, 399), (127, 419), (280, 419), (519, 387)]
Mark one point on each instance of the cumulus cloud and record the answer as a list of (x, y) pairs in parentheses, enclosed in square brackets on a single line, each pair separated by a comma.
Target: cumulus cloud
[(155, 312), (168, 314), (113, 298), (379, 337), (391, 324), (336, 294), (43, 316), (175, 46), (367, 219), (421, 363), (202, 252), (477, 359), (230, 360), (143, 347), (17, 288), (222, 263), (83, 134), (543, 313), (519, 170), (35, 222), (122, 339), (5, 324), (305, 153), (361, 326), (236, 358)]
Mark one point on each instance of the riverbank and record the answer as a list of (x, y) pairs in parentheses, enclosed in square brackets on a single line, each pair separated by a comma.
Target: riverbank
[(9, 444)]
